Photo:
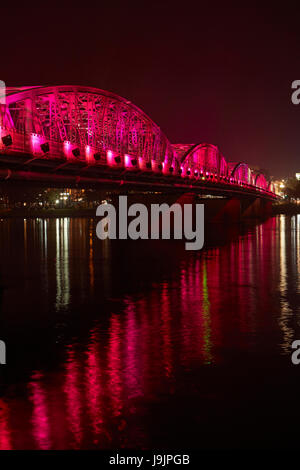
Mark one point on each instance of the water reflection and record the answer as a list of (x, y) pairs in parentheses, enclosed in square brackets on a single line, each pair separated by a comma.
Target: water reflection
[(124, 343), (93, 384), (288, 270), (62, 263), (5, 435), (40, 414)]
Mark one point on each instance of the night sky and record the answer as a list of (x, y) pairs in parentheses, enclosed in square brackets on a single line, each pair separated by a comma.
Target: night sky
[(217, 74)]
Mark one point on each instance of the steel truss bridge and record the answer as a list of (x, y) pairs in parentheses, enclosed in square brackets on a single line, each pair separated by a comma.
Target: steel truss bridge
[(73, 135)]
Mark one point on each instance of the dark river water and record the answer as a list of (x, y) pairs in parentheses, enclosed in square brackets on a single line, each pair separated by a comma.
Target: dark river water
[(141, 344)]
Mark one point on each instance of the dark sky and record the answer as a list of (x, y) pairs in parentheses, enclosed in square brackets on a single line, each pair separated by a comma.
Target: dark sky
[(202, 72)]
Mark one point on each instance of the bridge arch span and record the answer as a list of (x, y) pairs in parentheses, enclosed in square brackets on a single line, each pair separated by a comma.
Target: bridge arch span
[(241, 173), (79, 122), (202, 160), (84, 129), (261, 182)]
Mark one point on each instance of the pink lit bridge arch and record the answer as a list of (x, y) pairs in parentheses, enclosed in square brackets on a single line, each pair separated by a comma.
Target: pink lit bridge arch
[(86, 136)]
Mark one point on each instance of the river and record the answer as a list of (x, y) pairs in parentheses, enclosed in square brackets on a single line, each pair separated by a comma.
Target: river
[(141, 344)]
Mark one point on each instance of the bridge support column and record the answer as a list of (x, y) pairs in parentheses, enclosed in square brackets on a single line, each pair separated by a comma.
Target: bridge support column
[(215, 209), (256, 208), (224, 210), (221, 209), (267, 207), (148, 198)]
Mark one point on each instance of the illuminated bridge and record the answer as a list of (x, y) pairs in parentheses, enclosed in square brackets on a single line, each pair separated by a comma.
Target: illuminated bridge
[(72, 135)]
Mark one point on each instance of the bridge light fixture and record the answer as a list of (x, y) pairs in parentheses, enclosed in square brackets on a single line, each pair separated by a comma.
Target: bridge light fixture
[(45, 147), (109, 156), (127, 160), (97, 156), (67, 148), (76, 152), (88, 152), (196, 173), (7, 140)]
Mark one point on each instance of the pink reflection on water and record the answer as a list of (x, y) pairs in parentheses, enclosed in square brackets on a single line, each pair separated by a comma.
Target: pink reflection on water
[(115, 365), (166, 330), (40, 414), (73, 396), (93, 384), (132, 357), (5, 436)]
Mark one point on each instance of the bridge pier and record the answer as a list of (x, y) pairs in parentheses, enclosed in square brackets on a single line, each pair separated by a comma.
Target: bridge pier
[(216, 210), (230, 210), (267, 208), (255, 208), (222, 210)]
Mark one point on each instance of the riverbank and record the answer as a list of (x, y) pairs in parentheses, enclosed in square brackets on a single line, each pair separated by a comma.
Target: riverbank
[(281, 208), (288, 208), (47, 213)]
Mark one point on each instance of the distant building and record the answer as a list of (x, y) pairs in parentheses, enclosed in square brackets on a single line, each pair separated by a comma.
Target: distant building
[(278, 186)]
